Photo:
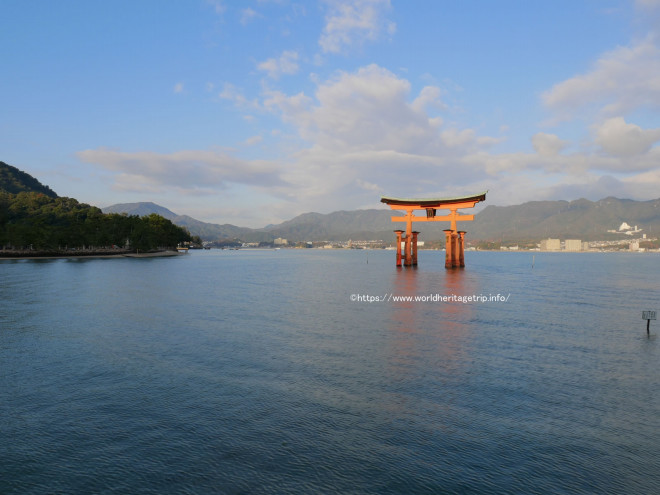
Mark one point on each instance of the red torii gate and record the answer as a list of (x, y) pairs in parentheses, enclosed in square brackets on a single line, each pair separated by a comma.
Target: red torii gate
[(455, 239)]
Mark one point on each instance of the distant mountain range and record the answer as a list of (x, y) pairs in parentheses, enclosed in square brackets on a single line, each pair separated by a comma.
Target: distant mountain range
[(205, 230), (579, 219), (535, 220)]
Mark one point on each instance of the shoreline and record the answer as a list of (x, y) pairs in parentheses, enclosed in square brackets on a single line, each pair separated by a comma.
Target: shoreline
[(8, 255)]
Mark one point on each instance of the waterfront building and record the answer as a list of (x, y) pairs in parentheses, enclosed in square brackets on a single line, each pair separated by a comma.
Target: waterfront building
[(573, 245), (550, 245)]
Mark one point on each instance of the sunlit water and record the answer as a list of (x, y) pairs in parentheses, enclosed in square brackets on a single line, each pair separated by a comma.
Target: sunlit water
[(254, 372)]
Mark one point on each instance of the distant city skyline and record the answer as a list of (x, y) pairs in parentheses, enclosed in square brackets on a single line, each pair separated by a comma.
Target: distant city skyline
[(253, 112)]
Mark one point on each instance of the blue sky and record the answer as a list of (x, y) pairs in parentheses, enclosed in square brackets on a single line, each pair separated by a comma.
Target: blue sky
[(251, 112)]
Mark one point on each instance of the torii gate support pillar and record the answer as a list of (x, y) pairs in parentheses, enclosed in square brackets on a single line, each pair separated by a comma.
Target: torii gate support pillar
[(407, 260), (461, 248), (398, 246), (414, 248), (449, 256)]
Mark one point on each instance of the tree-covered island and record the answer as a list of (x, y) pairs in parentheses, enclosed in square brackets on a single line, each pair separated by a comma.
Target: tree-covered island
[(34, 220)]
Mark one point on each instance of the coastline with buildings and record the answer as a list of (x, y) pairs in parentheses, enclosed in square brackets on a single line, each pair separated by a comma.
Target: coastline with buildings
[(625, 238), (640, 243), (577, 245), (550, 245)]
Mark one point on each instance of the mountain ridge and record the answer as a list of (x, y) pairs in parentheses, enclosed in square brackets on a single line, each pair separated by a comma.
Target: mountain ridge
[(205, 230), (533, 220)]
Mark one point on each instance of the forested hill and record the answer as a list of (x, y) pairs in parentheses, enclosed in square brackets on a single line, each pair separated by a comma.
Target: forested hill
[(33, 219), (14, 181)]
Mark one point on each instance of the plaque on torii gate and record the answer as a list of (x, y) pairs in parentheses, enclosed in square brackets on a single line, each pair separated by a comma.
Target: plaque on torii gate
[(454, 238)]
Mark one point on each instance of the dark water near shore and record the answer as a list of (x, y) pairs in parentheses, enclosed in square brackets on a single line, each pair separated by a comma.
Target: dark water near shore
[(254, 372)]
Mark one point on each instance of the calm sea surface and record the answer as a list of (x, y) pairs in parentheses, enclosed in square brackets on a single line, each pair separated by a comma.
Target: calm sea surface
[(269, 372)]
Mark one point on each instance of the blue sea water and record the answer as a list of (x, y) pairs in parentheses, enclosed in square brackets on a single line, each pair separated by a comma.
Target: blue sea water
[(270, 372)]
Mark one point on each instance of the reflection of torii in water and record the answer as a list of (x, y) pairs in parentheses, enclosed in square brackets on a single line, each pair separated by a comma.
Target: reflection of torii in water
[(454, 238)]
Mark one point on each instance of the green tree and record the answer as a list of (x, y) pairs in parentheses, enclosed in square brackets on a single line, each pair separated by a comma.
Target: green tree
[(34, 219)]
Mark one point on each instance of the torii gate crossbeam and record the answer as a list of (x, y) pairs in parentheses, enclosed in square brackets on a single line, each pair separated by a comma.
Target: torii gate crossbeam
[(455, 239)]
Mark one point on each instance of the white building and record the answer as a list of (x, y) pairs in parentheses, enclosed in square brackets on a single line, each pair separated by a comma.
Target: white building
[(550, 245), (573, 245), (624, 228)]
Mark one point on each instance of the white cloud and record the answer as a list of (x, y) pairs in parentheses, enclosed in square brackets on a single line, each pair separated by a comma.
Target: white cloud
[(647, 4), (429, 96), (218, 5), (251, 141), (184, 170), (350, 22), (178, 87), (619, 138), (547, 144), (248, 15), (368, 186), (286, 64), (645, 185), (234, 94), (454, 138), (230, 92), (366, 133), (365, 110), (620, 82)]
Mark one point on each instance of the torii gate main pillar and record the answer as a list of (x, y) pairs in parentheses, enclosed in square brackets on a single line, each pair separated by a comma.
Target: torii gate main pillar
[(398, 246), (414, 248), (449, 248), (461, 251), (454, 238)]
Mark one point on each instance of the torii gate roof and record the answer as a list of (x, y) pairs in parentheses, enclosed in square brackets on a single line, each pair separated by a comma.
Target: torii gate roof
[(433, 202)]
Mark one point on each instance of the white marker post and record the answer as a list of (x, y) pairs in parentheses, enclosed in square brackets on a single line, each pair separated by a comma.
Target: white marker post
[(648, 316)]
